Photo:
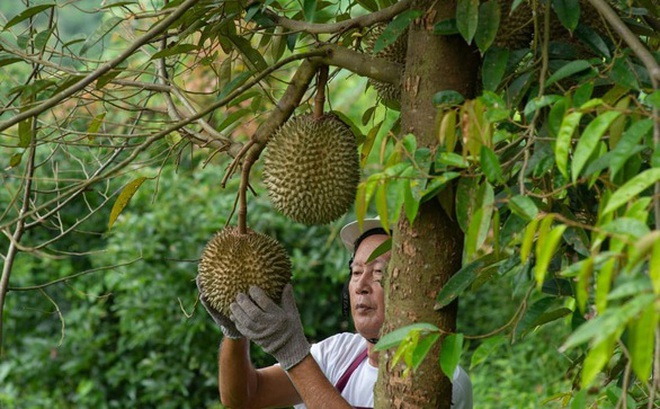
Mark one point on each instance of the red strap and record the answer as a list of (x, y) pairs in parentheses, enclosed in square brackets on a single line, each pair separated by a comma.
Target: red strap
[(341, 383)]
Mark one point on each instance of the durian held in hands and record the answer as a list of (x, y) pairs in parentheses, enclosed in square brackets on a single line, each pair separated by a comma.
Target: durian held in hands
[(312, 169), (232, 262)]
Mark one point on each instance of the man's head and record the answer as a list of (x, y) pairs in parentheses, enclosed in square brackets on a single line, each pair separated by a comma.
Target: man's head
[(367, 299)]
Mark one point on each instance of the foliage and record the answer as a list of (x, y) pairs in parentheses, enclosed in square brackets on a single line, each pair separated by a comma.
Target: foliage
[(551, 172), (134, 335)]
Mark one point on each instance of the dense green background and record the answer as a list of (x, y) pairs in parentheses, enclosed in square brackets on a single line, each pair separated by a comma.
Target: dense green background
[(133, 336)]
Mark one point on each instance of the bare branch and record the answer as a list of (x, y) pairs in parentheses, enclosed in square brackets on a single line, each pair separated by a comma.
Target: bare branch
[(104, 68), (72, 276), (358, 22)]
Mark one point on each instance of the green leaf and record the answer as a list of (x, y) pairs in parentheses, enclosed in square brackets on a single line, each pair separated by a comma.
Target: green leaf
[(124, 197), (579, 400), (382, 248), (595, 360), (486, 348), (6, 59), (524, 207), (654, 267), (567, 70), (632, 188), (450, 159), (369, 5), (589, 140), (539, 102), (626, 226), (487, 25), (309, 10), (447, 98), (544, 251), (106, 27), (608, 323), (528, 240), (95, 125), (437, 183), (395, 29), (445, 27), (25, 132), (641, 342), (27, 13), (381, 204), (556, 116), (568, 12), (253, 58), (450, 354), (460, 281), (422, 349), (493, 67), (623, 73), (491, 165), (593, 40), (174, 50), (15, 160), (395, 337), (626, 147), (233, 84), (467, 18), (563, 144)]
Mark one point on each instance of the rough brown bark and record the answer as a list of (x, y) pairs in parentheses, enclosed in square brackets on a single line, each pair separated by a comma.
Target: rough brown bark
[(426, 254)]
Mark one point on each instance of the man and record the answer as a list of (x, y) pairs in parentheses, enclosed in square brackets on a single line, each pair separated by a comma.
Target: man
[(338, 372)]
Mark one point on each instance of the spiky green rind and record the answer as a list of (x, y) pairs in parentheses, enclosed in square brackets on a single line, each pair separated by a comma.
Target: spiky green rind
[(311, 169), (232, 262), (395, 52)]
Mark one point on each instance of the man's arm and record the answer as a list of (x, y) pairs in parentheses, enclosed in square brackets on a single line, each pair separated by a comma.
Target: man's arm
[(243, 386), (278, 330)]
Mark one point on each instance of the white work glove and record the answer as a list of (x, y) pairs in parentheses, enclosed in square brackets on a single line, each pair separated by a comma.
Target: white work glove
[(275, 328), (225, 324)]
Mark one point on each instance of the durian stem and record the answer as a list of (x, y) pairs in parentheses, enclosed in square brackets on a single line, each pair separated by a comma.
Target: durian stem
[(285, 107), (319, 101)]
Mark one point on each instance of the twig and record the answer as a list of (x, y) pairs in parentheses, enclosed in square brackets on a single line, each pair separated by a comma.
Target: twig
[(71, 277), (285, 107), (358, 22), (104, 68), (20, 228), (319, 101), (59, 314), (234, 164)]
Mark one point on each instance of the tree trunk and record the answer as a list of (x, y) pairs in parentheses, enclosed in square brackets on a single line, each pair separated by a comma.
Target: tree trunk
[(426, 254)]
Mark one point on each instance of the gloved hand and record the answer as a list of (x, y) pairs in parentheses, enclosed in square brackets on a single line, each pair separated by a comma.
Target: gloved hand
[(277, 329), (226, 325)]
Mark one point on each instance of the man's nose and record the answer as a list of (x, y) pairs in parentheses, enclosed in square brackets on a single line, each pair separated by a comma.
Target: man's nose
[(364, 283)]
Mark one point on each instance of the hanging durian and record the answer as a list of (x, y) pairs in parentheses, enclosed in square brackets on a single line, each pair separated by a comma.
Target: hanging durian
[(232, 262), (311, 169)]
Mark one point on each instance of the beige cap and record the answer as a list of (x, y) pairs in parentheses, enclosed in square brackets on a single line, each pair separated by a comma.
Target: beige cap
[(351, 231)]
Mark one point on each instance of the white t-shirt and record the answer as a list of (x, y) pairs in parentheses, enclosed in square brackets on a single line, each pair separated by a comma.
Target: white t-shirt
[(336, 353)]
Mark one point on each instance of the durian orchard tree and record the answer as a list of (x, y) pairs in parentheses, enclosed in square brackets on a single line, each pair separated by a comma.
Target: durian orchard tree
[(527, 149)]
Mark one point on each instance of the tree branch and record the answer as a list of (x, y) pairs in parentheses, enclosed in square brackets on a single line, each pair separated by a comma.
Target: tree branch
[(358, 22), (284, 109), (104, 68), (362, 64)]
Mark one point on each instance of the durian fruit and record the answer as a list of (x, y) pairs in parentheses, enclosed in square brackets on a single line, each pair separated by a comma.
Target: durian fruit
[(311, 169), (395, 52), (232, 262)]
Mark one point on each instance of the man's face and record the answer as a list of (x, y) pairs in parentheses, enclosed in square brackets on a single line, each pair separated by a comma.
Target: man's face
[(364, 288)]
